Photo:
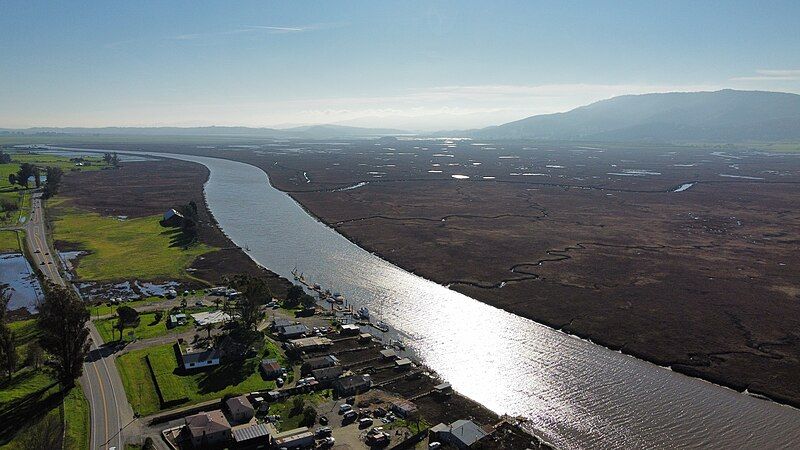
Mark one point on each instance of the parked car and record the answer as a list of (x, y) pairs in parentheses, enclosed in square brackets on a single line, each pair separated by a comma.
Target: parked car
[(323, 432), (364, 422), (434, 445), (323, 420), (344, 407), (328, 441)]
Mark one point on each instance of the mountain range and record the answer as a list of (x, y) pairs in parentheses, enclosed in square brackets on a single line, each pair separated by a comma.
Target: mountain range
[(718, 116)]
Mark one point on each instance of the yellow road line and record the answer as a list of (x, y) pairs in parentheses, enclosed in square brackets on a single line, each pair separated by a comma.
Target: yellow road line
[(105, 407)]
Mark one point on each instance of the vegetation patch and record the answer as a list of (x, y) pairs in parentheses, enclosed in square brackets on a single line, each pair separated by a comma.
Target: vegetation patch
[(123, 249), (163, 364), (152, 324), (234, 377), (9, 241)]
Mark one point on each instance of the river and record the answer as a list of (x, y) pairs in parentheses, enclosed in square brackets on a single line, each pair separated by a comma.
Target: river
[(576, 394)]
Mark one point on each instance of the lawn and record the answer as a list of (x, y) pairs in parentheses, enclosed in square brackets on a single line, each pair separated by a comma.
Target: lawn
[(20, 196), (291, 417), (32, 394), (148, 327), (233, 378), (124, 249), (9, 241)]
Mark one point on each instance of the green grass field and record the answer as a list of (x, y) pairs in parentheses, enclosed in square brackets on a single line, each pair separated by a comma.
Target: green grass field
[(8, 241), (232, 378), (148, 327), (123, 249), (105, 308), (292, 418), (32, 394)]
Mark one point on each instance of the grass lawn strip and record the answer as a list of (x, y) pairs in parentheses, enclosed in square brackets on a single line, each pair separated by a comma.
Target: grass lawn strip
[(134, 248), (236, 377), (147, 328)]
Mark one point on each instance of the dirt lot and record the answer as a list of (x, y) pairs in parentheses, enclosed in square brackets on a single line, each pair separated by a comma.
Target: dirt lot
[(589, 238), (140, 189)]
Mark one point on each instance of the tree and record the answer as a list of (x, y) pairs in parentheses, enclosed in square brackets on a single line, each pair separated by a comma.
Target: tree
[(34, 355), (62, 321), (254, 293), (5, 158), (37, 177), (309, 416), (51, 186), (8, 347), (127, 317), (293, 296), (12, 179), (208, 327), (26, 170)]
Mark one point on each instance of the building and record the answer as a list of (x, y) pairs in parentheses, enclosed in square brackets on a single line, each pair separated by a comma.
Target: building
[(326, 375), (279, 322), (443, 389), (404, 408), (352, 385), (318, 363), (194, 358), (309, 344), (205, 429), (351, 329), (292, 331), (388, 354), (461, 433), (251, 436), (293, 439), (364, 337), (240, 409), (403, 364), (271, 368), (176, 320), (172, 218)]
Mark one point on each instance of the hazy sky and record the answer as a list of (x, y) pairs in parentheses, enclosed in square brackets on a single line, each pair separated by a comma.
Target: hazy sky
[(406, 64)]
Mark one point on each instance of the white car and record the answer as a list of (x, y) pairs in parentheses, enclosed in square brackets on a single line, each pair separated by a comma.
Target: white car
[(344, 407), (434, 445)]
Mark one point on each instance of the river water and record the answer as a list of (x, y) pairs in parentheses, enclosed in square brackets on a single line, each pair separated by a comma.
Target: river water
[(576, 394)]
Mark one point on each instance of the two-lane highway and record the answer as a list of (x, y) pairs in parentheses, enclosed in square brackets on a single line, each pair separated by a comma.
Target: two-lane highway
[(110, 412)]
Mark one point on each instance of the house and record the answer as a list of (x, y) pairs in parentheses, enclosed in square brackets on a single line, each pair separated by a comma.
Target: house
[(205, 429), (293, 439), (251, 436), (176, 320), (309, 344), (404, 408), (280, 322), (326, 375), (352, 385), (461, 433), (388, 354), (351, 329), (364, 337), (171, 219), (240, 409), (193, 358), (402, 364), (443, 389), (271, 368), (292, 331), (318, 363)]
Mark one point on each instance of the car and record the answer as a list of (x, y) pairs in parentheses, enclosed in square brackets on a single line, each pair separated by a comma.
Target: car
[(198, 303), (279, 382), (323, 432), (328, 441), (349, 416), (434, 445), (365, 422), (344, 407), (323, 420)]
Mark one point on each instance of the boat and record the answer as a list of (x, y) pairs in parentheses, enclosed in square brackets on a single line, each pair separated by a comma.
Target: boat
[(381, 325), (316, 287), (338, 297), (363, 313)]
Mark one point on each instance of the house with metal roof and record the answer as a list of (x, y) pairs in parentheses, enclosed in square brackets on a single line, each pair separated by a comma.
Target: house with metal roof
[(461, 433)]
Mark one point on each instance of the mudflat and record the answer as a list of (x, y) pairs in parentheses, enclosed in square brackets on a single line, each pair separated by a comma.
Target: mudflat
[(683, 256)]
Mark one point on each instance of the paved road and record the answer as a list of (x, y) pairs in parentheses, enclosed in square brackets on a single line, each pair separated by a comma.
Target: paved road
[(110, 412)]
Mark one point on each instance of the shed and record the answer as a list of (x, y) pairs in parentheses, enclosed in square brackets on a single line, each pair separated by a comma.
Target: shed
[(403, 364), (388, 354), (270, 368), (251, 435), (351, 329), (461, 433)]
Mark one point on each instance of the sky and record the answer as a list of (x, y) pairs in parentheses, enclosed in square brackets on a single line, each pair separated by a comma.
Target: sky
[(426, 65)]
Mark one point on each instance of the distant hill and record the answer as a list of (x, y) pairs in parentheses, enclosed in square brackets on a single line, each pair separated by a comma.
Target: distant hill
[(725, 115), (303, 132)]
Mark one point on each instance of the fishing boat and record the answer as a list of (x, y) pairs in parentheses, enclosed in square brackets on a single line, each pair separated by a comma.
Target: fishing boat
[(381, 325), (338, 297), (363, 313)]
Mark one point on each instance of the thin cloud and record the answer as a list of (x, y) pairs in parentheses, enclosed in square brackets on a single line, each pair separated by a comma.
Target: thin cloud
[(245, 30), (772, 75)]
